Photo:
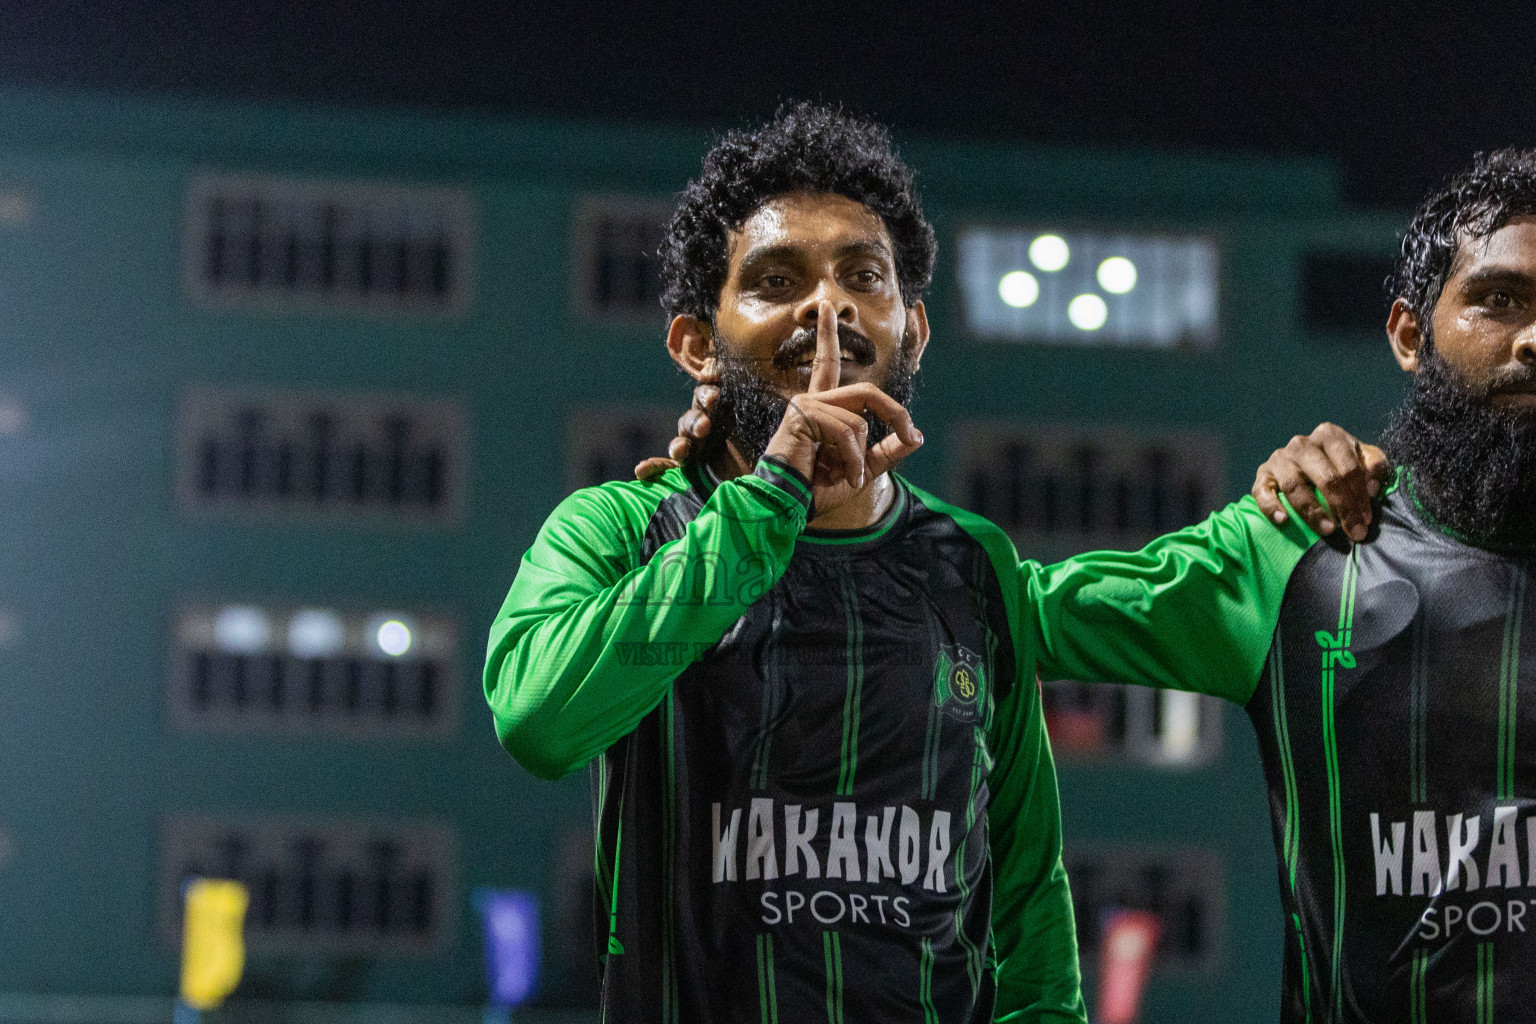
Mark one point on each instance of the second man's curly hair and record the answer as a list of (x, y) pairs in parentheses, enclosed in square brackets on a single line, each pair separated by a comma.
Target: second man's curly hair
[(1499, 187), (805, 148)]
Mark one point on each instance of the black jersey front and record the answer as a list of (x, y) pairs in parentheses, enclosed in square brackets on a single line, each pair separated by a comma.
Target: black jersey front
[(799, 830), (1397, 722)]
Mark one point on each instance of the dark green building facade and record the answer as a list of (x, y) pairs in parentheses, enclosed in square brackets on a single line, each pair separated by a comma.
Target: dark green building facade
[(286, 391)]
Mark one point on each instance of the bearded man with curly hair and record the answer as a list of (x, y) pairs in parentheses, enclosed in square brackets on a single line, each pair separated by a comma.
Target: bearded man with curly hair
[(807, 688)]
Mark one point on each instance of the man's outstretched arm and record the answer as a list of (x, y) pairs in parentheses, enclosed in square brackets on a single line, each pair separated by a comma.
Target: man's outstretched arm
[(1328, 476), (1193, 610)]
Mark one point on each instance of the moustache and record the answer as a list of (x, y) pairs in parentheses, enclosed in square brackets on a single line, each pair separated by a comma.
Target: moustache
[(1511, 379), (802, 343)]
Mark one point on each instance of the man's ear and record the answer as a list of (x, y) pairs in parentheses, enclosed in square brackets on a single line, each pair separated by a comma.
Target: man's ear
[(690, 343), (917, 330), (1404, 335)]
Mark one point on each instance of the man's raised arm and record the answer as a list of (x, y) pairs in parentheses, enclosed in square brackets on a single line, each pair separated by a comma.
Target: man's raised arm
[(591, 634)]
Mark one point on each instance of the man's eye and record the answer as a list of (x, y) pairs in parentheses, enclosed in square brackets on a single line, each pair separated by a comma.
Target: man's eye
[(867, 277), (1500, 300), (775, 281)]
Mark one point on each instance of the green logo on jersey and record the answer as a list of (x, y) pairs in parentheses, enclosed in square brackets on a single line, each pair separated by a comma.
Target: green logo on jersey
[(1335, 647), (959, 683)]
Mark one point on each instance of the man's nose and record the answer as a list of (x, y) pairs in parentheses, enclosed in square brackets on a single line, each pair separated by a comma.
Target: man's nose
[(1525, 346), (826, 290)]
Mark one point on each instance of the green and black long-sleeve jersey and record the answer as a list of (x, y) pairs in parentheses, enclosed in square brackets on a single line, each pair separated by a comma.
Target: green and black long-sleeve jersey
[(1395, 716), (822, 779), (1396, 719)]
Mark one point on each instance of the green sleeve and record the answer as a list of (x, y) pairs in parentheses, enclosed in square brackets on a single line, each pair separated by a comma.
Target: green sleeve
[(590, 637), (1193, 610), (1034, 938)]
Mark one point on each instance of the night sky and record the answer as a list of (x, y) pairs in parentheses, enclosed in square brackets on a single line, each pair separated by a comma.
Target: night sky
[(1399, 94)]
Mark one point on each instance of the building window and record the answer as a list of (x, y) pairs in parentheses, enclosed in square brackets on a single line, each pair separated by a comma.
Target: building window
[(1081, 288), (1081, 489), (1182, 887), (241, 668), (1103, 721), (322, 887), (605, 444), (1345, 294), (349, 245), (618, 276), (297, 453)]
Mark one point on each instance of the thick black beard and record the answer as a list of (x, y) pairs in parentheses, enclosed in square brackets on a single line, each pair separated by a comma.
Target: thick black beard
[(750, 409), (1473, 464)]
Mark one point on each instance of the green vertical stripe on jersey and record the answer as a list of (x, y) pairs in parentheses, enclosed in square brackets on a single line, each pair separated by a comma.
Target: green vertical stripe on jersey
[(928, 781), (1290, 837), (1306, 974), (979, 577), (854, 696), (767, 996), (1509, 684), (925, 984), (614, 945), (832, 949), (669, 1009), (599, 861), (973, 955), (1335, 654), (1418, 706), (1485, 983), (758, 778), (1416, 987), (930, 775)]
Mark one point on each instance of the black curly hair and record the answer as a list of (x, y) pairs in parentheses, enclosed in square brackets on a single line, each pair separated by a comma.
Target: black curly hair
[(1499, 187), (807, 147)]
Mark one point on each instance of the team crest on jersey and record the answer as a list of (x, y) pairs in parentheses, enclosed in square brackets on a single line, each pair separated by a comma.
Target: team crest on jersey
[(959, 684)]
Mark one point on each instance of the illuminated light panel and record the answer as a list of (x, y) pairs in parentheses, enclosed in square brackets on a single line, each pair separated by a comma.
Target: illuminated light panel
[(386, 674), (1087, 312), (1019, 289), (13, 417), (16, 208), (1161, 290), (1117, 275), (241, 629), (315, 633), (393, 637), (1181, 724), (1049, 253)]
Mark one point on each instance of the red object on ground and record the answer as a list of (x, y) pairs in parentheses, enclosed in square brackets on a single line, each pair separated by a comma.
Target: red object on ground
[(1125, 962), (1081, 732)]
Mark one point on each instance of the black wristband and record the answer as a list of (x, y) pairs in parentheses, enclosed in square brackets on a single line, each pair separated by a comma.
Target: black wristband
[(789, 480)]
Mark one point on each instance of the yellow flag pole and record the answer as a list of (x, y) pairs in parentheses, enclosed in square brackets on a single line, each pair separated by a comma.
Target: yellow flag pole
[(213, 944)]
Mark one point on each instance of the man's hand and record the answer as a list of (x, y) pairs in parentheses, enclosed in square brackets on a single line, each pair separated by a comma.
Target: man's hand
[(824, 434), (692, 426), (1332, 461)]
